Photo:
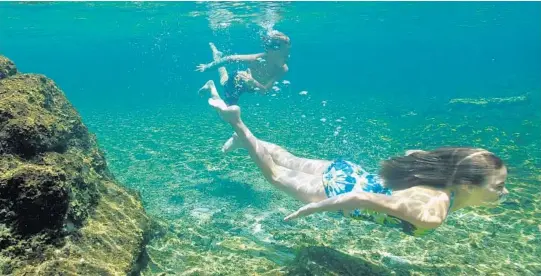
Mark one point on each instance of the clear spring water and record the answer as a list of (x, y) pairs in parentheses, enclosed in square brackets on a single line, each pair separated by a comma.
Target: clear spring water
[(384, 77)]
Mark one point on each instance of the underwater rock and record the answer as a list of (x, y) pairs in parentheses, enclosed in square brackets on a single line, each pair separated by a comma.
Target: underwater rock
[(318, 260), (486, 101), (7, 68), (61, 210)]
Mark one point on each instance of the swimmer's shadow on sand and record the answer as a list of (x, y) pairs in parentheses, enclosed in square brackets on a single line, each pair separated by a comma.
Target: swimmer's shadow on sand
[(320, 260), (241, 194)]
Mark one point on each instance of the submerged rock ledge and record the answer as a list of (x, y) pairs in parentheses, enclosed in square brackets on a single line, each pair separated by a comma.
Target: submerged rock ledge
[(61, 211), (486, 101)]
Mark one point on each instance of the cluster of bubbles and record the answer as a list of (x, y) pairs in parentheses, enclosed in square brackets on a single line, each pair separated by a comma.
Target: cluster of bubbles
[(278, 86)]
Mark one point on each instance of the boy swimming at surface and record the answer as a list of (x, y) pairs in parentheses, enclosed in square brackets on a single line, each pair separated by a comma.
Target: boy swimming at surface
[(262, 71)]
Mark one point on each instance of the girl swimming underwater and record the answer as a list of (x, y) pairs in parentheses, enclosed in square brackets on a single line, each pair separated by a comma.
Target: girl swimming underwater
[(415, 192)]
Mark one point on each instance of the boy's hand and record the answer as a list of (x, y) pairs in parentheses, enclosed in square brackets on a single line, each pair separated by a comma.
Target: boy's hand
[(201, 67), (246, 76)]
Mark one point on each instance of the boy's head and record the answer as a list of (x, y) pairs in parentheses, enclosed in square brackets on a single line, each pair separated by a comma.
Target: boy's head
[(277, 41)]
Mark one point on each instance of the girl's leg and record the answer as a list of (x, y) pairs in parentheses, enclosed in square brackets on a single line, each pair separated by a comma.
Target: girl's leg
[(283, 158), (303, 186), (288, 160)]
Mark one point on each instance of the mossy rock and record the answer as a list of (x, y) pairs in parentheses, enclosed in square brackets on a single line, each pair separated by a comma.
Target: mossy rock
[(61, 210), (319, 260), (494, 101), (7, 68)]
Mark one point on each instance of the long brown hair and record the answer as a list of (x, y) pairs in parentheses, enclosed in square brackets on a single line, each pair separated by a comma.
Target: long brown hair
[(439, 168)]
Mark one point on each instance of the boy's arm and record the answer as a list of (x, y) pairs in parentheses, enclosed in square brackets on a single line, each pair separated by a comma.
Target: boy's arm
[(263, 88), (228, 59)]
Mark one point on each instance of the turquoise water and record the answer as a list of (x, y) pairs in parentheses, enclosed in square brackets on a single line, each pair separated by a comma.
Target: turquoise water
[(390, 75)]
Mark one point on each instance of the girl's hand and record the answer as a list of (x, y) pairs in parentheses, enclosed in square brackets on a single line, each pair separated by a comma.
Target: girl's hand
[(346, 202), (304, 211)]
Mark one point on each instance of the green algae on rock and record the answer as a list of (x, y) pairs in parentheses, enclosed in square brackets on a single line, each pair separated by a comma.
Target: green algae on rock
[(485, 101), (318, 260), (61, 210), (7, 68)]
